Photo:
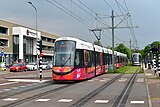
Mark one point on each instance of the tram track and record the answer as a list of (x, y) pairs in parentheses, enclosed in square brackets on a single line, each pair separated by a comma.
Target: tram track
[(82, 101), (37, 95), (124, 93), (89, 96), (123, 96)]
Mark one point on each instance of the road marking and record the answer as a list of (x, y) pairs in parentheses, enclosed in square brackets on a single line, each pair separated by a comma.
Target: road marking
[(148, 74), (137, 102), (103, 80), (102, 101), (28, 80), (22, 86), (29, 84), (123, 80), (15, 88), (10, 99), (140, 80), (6, 89), (8, 83), (42, 100), (65, 100), (90, 80)]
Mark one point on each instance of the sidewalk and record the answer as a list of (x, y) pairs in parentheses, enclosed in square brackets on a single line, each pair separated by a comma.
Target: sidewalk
[(153, 85)]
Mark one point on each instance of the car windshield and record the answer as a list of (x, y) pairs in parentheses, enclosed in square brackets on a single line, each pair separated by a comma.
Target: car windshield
[(31, 64), (64, 53), (17, 64), (44, 63)]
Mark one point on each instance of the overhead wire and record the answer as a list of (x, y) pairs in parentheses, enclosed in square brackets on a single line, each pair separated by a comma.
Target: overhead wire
[(98, 17), (81, 20), (67, 11)]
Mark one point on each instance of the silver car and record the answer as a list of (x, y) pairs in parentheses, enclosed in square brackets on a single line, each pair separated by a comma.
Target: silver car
[(31, 66)]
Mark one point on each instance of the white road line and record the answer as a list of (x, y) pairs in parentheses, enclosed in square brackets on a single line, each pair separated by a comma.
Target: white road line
[(8, 83), (42, 100), (10, 99), (90, 80), (22, 86), (14, 88), (29, 85), (123, 80), (148, 74), (140, 80), (101, 101), (137, 102), (103, 80), (65, 100), (28, 80), (6, 89)]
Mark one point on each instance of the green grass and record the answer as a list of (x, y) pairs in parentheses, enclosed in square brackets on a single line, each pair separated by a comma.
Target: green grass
[(127, 70)]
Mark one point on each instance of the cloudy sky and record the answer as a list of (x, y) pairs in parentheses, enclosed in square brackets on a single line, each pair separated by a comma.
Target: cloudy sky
[(75, 18)]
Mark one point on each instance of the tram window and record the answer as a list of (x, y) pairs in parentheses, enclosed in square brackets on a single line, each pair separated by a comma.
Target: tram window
[(97, 58), (90, 59), (79, 58), (105, 59)]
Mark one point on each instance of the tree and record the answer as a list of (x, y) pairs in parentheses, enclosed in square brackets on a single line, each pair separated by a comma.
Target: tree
[(148, 48), (123, 49)]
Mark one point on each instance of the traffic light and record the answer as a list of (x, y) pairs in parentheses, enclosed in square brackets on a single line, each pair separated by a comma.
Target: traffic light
[(154, 49), (159, 48), (39, 45)]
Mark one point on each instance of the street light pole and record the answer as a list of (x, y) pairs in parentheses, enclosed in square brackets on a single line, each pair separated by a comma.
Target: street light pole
[(113, 61), (36, 34)]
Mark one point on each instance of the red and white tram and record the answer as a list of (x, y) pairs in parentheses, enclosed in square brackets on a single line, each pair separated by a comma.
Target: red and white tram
[(75, 59)]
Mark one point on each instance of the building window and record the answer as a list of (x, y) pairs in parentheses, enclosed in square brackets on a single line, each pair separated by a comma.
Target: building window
[(44, 38), (50, 48), (28, 45), (16, 44), (3, 42), (3, 30), (53, 40), (49, 40), (44, 47)]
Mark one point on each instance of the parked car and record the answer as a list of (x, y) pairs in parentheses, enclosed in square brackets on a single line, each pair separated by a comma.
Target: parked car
[(51, 64), (45, 65), (18, 67), (31, 66)]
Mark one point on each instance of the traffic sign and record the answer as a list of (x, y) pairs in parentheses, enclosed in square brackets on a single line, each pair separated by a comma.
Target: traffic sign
[(2, 53)]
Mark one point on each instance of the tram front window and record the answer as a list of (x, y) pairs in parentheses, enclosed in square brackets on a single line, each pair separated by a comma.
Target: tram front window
[(64, 53)]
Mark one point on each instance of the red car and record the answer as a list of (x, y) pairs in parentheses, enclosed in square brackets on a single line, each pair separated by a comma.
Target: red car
[(18, 67)]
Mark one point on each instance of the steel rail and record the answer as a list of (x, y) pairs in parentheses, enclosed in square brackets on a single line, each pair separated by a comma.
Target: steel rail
[(122, 98), (36, 96), (95, 92)]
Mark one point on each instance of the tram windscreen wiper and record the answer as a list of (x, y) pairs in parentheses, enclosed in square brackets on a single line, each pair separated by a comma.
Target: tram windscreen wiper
[(66, 61)]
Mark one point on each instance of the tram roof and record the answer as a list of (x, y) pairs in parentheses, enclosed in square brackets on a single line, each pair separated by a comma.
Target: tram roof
[(80, 44), (98, 48)]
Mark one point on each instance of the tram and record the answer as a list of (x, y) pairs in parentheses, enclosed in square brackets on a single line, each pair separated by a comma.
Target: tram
[(136, 59), (75, 59)]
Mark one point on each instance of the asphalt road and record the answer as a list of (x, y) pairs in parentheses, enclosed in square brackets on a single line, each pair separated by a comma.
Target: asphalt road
[(24, 90)]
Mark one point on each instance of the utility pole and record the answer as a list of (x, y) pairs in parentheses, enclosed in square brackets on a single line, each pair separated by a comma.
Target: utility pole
[(130, 50), (113, 27), (113, 61)]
